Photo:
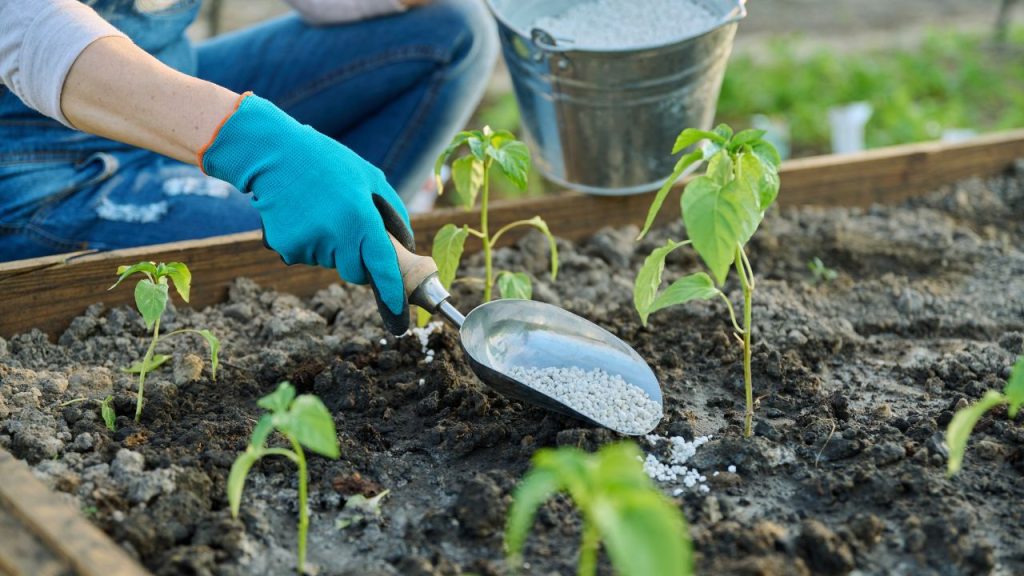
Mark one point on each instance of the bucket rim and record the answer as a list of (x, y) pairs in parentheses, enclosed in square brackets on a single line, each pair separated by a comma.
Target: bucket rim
[(737, 13)]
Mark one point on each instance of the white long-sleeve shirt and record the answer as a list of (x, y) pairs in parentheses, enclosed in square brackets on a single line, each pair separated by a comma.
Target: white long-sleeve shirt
[(41, 39)]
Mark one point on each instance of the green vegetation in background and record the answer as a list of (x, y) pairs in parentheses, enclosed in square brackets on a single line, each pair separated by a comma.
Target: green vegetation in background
[(951, 81)]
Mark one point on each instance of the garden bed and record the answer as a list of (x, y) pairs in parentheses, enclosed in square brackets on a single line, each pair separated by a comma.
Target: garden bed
[(857, 379)]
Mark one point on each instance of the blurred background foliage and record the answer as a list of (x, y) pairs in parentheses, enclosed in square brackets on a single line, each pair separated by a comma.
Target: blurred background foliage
[(929, 69)]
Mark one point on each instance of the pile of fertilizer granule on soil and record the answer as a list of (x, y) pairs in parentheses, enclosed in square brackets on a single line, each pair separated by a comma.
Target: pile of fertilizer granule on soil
[(618, 24), (598, 395)]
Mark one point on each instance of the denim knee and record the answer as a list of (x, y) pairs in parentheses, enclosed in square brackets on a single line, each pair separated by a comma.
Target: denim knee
[(469, 27)]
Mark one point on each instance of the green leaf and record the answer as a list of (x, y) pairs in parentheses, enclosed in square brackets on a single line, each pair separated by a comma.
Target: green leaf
[(422, 317), (618, 467), (260, 433), (963, 422), (769, 190), (214, 344), (573, 468), (697, 286), (477, 147), (643, 533), (501, 137), (447, 251), (745, 137), (151, 300), (533, 490), (468, 175), (236, 478), (539, 223), (1014, 390), (363, 505), (648, 279), (108, 414), (279, 400), (691, 136), (759, 178), (181, 276), (312, 426), (156, 361), (766, 152), (126, 271), (717, 220), (513, 157), (659, 198), (720, 168), (458, 140), (724, 131), (515, 285)]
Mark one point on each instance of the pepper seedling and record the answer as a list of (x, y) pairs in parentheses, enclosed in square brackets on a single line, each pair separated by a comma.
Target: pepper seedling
[(106, 410), (151, 296), (963, 422), (642, 530), (304, 421), (471, 175), (721, 209)]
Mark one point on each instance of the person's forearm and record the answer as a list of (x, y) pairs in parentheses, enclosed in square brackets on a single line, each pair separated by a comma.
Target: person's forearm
[(118, 91)]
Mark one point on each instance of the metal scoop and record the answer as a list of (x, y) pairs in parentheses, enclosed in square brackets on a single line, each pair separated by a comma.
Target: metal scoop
[(503, 334)]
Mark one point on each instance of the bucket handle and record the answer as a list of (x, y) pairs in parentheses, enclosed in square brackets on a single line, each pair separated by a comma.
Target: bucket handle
[(739, 12), (543, 40)]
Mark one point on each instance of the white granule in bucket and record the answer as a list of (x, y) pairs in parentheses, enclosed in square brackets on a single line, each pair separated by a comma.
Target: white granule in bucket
[(618, 24), (600, 396)]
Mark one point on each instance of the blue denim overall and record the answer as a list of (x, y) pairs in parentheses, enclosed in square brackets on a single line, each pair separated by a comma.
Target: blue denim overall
[(394, 89)]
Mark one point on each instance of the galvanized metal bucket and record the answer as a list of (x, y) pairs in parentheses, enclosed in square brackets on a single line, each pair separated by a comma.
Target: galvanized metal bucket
[(604, 121)]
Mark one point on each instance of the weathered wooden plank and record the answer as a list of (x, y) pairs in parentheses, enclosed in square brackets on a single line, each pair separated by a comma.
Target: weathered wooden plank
[(23, 554), (53, 537), (46, 293)]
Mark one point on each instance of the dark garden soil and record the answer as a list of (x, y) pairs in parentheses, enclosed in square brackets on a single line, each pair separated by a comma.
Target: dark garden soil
[(857, 379)]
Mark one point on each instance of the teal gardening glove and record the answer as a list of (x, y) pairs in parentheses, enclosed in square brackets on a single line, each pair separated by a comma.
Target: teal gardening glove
[(321, 204)]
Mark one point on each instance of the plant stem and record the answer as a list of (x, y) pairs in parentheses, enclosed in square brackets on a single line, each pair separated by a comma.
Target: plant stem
[(145, 364), (300, 461), (748, 291), (509, 226), (484, 194), (588, 550), (747, 378), (732, 312)]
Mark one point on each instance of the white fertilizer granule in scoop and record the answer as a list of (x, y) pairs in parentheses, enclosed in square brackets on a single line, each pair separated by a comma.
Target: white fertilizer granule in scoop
[(618, 24), (600, 396)]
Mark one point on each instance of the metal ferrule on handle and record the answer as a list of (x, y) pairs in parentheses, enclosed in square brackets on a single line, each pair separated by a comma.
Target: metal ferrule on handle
[(432, 297), (424, 288)]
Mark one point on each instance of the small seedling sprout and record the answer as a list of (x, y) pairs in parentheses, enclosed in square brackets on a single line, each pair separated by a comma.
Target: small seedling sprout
[(151, 296), (642, 530), (822, 274), (963, 422), (471, 175), (305, 422), (108, 414), (106, 410), (721, 209)]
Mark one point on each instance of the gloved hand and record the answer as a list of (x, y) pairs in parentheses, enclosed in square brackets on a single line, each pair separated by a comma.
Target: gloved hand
[(321, 204)]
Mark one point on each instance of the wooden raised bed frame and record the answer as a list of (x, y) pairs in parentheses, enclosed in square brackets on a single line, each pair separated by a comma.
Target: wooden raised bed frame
[(46, 293)]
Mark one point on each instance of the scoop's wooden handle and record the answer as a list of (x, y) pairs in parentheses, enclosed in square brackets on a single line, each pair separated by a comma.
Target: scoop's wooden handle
[(415, 268)]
